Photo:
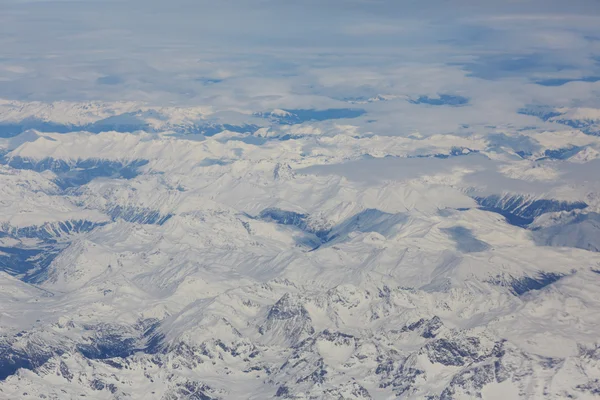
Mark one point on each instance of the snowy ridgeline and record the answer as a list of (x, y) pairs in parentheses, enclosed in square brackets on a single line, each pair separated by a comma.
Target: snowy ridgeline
[(293, 257)]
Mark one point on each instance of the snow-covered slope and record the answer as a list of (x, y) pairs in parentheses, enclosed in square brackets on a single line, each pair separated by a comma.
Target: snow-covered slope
[(305, 260)]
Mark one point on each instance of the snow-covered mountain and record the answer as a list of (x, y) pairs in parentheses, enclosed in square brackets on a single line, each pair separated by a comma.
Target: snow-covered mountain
[(308, 259)]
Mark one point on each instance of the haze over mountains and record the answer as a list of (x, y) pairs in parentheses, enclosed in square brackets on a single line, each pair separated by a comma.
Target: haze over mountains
[(387, 200)]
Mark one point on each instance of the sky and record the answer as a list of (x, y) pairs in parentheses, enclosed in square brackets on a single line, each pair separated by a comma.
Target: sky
[(257, 55)]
